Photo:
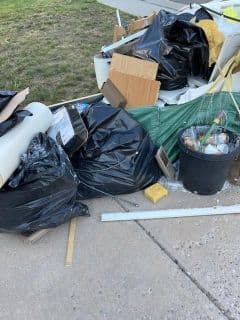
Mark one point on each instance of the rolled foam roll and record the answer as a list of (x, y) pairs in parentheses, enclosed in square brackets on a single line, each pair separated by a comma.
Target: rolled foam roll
[(16, 141)]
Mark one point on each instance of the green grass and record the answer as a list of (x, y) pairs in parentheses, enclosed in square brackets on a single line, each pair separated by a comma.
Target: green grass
[(49, 46)]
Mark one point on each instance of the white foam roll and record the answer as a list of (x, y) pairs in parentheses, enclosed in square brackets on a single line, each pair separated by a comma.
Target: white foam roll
[(16, 141), (102, 66)]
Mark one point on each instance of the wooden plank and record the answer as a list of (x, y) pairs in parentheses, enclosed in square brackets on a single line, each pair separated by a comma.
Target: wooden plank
[(70, 245), (170, 213), (89, 99)]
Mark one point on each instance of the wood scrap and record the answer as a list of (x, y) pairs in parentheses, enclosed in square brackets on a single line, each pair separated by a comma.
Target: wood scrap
[(34, 237), (70, 245)]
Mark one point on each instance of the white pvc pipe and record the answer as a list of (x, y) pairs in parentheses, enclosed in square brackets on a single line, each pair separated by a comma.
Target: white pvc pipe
[(16, 141), (170, 213)]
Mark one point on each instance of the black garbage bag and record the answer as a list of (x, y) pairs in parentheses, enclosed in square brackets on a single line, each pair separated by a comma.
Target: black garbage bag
[(178, 46), (16, 117), (118, 157), (5, 97), (42, 193)]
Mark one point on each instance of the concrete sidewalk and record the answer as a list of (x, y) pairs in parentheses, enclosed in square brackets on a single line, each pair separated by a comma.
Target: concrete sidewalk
[(146, 7), (140, 7), (173, 269)]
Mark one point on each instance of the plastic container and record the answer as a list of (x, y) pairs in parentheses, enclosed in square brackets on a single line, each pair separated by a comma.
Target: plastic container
[(202, 173)]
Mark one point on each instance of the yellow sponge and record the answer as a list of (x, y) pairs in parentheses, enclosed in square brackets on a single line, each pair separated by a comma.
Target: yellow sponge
[(155, 192)]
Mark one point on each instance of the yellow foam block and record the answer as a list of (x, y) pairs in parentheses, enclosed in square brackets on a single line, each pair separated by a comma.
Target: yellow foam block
[(155, 192)]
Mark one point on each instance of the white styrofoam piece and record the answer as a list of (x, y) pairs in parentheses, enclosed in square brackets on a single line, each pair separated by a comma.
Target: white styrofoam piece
[(170, 213), (196, 82), (102, 66), (16, 141), (194, 93), (171, 97)]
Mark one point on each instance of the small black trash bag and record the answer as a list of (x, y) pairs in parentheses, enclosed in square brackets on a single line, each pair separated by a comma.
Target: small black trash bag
[(118, 157), (42, 193), (178, 46), (16, 117), (5, 97)]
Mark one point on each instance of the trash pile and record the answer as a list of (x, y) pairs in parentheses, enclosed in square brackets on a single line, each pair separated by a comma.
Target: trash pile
[(169, 105), (174, 58), (178, 74), (52, 159)]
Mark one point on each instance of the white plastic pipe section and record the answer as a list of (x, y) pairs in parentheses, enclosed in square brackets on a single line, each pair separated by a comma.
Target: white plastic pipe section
[(170, 213), (16, 141)]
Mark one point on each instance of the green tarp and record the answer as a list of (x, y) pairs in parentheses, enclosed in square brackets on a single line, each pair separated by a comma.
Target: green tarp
[(163, 124)]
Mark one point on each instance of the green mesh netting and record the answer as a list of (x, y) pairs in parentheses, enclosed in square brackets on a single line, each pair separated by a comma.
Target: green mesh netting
[(163, 124)]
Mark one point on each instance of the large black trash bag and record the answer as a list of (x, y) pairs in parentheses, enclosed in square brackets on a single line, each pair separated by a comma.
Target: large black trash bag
[(16, 117), (118, 157), (179, 47), (42, 193)]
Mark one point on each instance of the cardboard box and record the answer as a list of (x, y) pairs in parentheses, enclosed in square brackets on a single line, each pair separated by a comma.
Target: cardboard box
[(135, 79)]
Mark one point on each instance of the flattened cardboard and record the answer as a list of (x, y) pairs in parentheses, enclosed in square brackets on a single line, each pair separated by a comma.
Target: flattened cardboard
[(135, 79), (134, 66), (137, 91), (113, 95)]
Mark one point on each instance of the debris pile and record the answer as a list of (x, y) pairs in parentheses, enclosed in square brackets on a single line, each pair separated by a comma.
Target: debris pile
[(169, 106)]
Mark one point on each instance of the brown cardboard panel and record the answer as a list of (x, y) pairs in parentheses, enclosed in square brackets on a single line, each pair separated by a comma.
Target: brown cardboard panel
[(138, 91), (133, 66), (113, 95)]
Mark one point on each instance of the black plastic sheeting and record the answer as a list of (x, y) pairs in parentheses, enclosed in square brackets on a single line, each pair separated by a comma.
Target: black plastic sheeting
[(202, 14), (16, 117), (118, 157), (178, 46), (42, 193), (5, 97)]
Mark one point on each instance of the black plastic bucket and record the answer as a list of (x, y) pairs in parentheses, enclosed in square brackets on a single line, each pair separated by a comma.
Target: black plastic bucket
[(202, 173)]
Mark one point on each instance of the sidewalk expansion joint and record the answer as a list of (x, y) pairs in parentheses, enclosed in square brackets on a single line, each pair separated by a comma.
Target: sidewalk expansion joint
[(210, 297)]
